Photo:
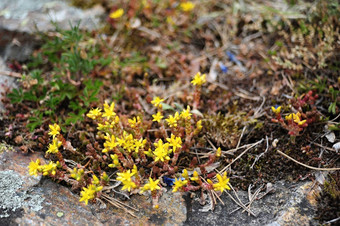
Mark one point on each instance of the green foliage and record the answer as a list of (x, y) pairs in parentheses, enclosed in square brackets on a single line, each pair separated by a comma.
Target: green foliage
[(334, 94), (71, 55)]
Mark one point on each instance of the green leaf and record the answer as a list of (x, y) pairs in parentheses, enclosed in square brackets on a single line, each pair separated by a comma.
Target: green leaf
[(167, 107), (16, 96)]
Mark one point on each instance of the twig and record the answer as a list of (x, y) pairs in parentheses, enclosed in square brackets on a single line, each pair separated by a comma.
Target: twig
[(289, 82), (253, 197), (335, 118), (246, 95), (254, 144), (309, 167), (238, 201), (257, 113), (332, 221), (214, 192), (260, 197), (260, 155), (239, 140), (119, 204), (11, 74), (321, 146)]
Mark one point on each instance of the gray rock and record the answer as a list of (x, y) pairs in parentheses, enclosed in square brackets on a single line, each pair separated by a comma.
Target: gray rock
[(40, 200), (20, 19), (288, 204), (5, 82)]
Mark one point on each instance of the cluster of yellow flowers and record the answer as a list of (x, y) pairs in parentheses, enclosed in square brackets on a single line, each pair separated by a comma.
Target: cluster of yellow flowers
[(221, 185), (123, 142), (51, 167), (47, 169), (296, 118), (127, 178), (291, 117), (91, 191)]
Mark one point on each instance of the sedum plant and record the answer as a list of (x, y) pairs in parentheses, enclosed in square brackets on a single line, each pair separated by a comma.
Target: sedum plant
[(142, 160)]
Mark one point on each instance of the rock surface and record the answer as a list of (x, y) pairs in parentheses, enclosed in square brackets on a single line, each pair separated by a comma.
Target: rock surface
[(20, 19), (36, 200), (286, 204)]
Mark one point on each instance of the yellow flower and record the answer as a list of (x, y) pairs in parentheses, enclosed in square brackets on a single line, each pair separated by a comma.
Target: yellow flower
[(161, 151), (218, 152), (110, 143), (50, 168), (149, 153), (172, 120), (89, 193), (95, 180), (94, 113), (199, 125), (139, 144), (185, 114), (77, 173), (222, 183), (134, 122), (54, 130), (199, 79), (195, 176), (53, 148), (169, 20), (187, 6), (34, 167), (178, 184), (157, 117), (109, 111), (175, 142), (276, 110), (185, 174), (116, 14), (125, 176), (152, 185), (302, 122), (127, 185), (289, 117), (114, 160), (297, 119), (126, 179), (135, 170), (157, 102), (105, 177)]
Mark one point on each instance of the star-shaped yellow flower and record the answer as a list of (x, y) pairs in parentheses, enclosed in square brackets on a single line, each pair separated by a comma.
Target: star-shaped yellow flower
[(157, 117), (178, 184), (157, 102), (175, 142), (54, 130), (222, 182), (34, 167), (53, 148), (117, 13), (152, 185), (94, 113), (199, 79)]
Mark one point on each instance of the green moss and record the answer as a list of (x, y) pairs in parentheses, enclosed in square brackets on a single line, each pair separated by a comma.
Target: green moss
[(332, 188), (5, 147), (226, 129)]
